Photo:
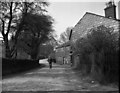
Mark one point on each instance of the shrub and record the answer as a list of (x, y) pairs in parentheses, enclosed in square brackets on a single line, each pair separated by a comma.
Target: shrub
[(102, 43), (105, 42), (83, 48)]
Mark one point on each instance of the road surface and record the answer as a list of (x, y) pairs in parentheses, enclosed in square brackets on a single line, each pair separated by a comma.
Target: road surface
[(59, 78)]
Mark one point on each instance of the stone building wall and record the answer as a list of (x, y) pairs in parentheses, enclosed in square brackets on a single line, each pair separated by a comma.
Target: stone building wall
[(89, 21), (62, 53)]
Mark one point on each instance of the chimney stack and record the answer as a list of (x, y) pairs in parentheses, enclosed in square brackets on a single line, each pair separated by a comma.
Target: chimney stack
[(110, 10)]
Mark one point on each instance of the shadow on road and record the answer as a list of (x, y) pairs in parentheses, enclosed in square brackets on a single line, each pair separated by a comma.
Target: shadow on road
[(23, 72)]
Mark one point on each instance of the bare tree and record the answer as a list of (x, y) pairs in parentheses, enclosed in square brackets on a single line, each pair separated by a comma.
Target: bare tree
[(64, 37)]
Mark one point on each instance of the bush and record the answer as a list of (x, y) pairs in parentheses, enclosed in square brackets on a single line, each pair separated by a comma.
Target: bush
[(102, 43), (83, 48)]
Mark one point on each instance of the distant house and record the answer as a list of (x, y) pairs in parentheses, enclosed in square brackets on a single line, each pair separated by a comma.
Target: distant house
[(62, 53), (91, 20)]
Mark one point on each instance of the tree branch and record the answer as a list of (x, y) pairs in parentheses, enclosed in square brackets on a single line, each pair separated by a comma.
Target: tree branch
[(3, 26), (10, 20)]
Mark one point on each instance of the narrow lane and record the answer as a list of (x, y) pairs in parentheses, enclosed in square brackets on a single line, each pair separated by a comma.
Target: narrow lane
[(59, 78)]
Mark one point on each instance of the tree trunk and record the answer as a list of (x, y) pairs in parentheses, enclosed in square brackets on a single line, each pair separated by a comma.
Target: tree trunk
[(7, 48), (34, 52)]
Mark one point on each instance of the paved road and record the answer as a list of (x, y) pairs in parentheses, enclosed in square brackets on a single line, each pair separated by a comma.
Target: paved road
[(60, 77)]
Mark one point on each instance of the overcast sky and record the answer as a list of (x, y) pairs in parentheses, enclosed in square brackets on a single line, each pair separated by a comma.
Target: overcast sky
[(68, 12)]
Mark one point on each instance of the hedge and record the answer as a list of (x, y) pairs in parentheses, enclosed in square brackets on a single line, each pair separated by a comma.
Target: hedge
[(98, 53), (10, 66)]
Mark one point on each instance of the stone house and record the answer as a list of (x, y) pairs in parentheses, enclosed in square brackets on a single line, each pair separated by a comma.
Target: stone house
[(62, 53), (91, 20)]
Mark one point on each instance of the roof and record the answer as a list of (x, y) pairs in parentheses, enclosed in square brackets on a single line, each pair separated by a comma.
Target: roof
[(96, 15), (102, 16), (68, 43)]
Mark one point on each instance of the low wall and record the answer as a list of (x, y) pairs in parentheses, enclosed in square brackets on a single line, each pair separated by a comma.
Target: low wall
[(10, 66)]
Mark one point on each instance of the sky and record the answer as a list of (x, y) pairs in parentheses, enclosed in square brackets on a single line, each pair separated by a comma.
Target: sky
[(67, 13)]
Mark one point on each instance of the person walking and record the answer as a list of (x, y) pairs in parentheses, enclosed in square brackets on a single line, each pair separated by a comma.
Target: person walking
[(50, 62)]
